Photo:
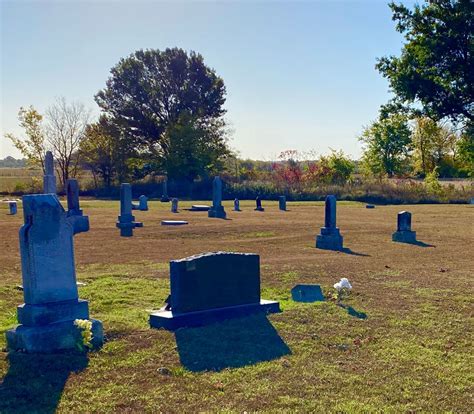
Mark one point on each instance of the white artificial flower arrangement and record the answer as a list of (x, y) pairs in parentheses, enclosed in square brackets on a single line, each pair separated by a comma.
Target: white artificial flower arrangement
[(343, 288)]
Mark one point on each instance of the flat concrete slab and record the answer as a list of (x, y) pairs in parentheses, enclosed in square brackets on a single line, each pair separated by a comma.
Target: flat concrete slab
[(173, 222), (172, 322), (200, 207)]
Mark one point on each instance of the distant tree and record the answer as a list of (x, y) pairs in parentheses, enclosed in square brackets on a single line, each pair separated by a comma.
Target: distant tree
[(33, 145), (436, 66), (148, 95), (339, 165), (465, 152), (104, 151), (65, 128), (387, 143), (10, 162)]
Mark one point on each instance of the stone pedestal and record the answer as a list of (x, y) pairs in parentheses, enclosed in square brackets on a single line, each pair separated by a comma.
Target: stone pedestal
[(217, 212), (126, 221), (329, 239), (406, 236)]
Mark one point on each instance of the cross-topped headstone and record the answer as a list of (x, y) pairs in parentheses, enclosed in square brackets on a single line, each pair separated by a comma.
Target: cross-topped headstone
[(126, 221), (330, 238), (49, 280), (217, 210), (404, 234), (49, 179)]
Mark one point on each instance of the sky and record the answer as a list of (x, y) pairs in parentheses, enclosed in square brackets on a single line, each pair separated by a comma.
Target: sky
[(299, 74)]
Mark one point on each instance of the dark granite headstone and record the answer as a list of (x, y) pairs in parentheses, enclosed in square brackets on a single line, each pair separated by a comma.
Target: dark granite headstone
[(210, 287), (282, 203), (307, 293), (126, 221), (258, 204), (404, 234), (237, 205), (13, 207), (217, 209)]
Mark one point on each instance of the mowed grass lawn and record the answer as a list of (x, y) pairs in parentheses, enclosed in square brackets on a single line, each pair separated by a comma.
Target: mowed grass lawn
[(412, 352)]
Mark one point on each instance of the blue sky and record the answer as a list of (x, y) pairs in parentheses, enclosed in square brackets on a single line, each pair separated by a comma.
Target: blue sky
[(299, 75)]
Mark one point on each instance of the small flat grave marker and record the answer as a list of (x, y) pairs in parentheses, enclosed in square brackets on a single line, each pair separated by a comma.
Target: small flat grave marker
[(173, 222), (307, 293)]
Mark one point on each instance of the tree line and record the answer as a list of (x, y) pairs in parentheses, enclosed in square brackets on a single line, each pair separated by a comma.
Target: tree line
[(162, 114)]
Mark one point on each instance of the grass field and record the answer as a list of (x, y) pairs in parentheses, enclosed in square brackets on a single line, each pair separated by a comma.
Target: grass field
[(411, 353)]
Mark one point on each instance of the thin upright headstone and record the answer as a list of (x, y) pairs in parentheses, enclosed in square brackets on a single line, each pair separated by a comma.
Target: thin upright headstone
[(126, 221), (174, 205), (73, 207), (404, 234), (164, 197), (258, 204), (282, 203), (13, 207), (237, 205), (217, 210), (49, 179), (143, 203), (330, 238), (50, 292)]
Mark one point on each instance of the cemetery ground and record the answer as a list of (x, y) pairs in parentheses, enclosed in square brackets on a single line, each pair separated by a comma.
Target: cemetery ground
[(402, 343)]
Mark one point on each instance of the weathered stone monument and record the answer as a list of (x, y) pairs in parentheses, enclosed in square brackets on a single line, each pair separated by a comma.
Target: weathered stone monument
[(217, 209), (74, 211), (174, 205), (142, 204), (210, 287), (237, 205), (52, 302), (282, 203), (330, 238), (258, 202), (404, 234), (164, 197), (12, 205), (126, 221), (49, 179)]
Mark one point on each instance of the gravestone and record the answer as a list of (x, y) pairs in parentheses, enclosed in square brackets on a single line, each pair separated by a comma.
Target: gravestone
[(49, 179), (282, 203), (210, 287), (472, 200), (404, 234), (50, 292), (126, 221), (164, 197), (307, 293), (12, 205), (142, 204), (258, 202), (173, 222), (200, 207), (237, 205), (217, 210), (74, 211), (369, 206), (330, 238), (174, 205)]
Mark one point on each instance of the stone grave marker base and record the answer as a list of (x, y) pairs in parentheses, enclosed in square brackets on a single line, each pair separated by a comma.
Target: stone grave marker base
[(329, 240), (54, 337), (171, 322), (217, 213), (404, 236)]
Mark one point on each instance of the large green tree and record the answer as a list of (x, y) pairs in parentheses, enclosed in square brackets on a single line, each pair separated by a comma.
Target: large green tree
[(149, 91), (434, 75), (387, 143)]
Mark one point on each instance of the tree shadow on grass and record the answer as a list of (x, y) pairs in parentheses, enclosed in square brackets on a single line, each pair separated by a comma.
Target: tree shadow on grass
[(230, 344), (35, 382), (346, 250)]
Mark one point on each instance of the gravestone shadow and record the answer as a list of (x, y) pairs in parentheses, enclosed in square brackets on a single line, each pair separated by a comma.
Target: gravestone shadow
[(352, 312), (35, 382), (230, 344), (422, 244), (346, 250)]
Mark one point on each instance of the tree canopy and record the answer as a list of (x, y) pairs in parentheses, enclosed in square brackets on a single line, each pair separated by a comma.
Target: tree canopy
[(151, 90), (435, 69)]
